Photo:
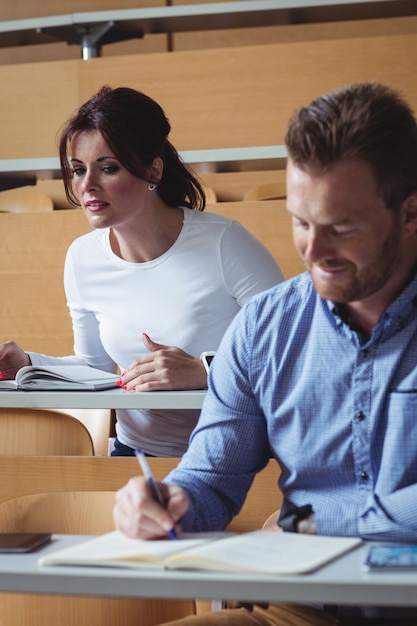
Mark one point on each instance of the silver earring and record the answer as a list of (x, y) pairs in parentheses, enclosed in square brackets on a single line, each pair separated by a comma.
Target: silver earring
[(151, 186)]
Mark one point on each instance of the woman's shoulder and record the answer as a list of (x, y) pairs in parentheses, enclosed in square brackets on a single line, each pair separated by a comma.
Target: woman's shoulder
[(207, 217), (88, 238), (217, 224), (88, 242)]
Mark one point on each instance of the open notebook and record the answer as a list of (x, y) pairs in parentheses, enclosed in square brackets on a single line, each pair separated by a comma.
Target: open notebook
[(60, 377), (262, 551)]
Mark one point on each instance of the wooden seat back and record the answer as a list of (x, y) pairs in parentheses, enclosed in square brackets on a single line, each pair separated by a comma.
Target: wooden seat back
[(44, 488), (42, 432), (25, 200)]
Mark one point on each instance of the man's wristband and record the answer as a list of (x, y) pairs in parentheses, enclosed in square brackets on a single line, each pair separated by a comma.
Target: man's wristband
[(289, 523)]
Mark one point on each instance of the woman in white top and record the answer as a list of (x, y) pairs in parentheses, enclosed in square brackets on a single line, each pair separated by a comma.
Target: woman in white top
[(157, 281)]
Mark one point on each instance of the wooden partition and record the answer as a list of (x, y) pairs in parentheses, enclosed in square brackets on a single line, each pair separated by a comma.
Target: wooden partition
[(287, 30), (219, 98), (244, 96), (33, 309), (27, 475)]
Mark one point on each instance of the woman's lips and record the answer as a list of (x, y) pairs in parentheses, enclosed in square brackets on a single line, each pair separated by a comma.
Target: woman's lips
[(95, 206)]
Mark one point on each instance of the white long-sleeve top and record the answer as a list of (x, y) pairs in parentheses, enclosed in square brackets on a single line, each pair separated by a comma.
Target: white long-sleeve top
[(185, 298)]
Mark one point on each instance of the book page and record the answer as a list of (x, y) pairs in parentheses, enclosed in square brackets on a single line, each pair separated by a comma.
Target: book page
[(116, 550), (64, 377), (8, 385), (262, 551), (265, 551)]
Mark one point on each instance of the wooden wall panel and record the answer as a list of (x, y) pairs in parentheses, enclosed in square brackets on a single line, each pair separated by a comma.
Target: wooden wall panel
[(27, 475), (226, 97), (62, 51), (33, 309), (36, 99), (243, 96), (292, 33)]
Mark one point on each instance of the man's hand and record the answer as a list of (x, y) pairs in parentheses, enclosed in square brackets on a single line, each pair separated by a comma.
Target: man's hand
[(307, 526), (164, 368), (137, 514)]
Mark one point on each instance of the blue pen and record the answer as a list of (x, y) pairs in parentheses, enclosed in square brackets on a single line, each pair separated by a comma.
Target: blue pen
[(147, 472)]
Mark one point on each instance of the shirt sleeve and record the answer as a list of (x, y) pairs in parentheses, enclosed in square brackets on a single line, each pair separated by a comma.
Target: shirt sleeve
[(248, 266), (229, 445), (87, 343)]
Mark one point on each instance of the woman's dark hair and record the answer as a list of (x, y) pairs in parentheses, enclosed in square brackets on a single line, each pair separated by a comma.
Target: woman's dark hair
[(136, 129), (363, 121)]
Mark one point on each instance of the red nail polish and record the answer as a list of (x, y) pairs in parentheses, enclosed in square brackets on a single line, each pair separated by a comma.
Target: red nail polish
[(119, 382), (124, 387), (3, 375)]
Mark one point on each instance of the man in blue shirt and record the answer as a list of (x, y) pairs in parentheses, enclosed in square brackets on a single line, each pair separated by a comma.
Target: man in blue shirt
[(322, 369)]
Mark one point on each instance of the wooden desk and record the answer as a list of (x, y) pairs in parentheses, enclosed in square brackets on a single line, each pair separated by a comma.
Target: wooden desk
[(19, 172), (91, 30), (110, 399), (340, 582)]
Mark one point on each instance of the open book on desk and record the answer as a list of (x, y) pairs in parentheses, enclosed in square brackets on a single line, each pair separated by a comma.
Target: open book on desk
[(262, 551), (60, 377)]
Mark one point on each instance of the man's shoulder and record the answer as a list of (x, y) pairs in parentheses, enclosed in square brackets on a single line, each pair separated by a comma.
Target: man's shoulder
[(297, 289)]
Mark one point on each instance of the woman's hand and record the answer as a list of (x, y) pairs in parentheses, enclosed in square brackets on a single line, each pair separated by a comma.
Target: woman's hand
[(164, 368), (137, 514), (12, 358)]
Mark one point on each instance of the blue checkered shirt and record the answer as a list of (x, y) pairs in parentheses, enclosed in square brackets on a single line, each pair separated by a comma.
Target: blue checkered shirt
[(337, 409)]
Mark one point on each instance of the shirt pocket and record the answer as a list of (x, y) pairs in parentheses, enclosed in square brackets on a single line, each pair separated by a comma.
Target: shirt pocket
[(398, 437)]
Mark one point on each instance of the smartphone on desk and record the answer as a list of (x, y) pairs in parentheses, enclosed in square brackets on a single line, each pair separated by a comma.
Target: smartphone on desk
[(19, 543), (207, 358), (391, 557)]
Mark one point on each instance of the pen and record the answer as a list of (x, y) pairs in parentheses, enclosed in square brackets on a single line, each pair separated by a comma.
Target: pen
[(147, 472)]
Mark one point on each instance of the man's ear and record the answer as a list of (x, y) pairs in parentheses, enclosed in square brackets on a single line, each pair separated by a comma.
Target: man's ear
[(409, 211)]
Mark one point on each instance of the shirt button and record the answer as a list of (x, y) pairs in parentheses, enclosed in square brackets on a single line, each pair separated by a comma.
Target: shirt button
[(364, 476), (361, 416)]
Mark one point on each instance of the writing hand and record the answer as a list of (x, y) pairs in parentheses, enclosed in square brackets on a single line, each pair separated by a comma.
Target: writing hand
[(164, 368), (12, 358), (136, 513)]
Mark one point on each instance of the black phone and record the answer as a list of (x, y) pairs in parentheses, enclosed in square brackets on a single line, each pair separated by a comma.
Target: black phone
[(391, 557), (23, 542), (207, 358)]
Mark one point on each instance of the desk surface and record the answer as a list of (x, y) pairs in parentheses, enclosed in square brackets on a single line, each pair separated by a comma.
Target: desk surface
[(340, 582), (204, 16), (18, 172), (111, 399), (93, 30)]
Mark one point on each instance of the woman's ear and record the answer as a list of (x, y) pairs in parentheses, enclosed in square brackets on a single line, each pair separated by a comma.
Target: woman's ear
[(156, 171)]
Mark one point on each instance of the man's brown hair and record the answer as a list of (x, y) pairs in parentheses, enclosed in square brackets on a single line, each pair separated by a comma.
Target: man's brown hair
[(364, 121)]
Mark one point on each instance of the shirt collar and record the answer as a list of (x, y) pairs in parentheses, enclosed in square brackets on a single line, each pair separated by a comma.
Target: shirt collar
[(394, 318)]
